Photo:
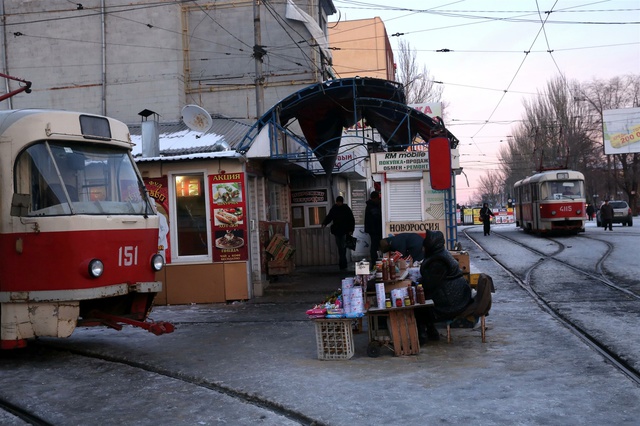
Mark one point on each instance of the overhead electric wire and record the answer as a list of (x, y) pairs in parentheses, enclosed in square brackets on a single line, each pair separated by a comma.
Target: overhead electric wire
[(514, 76)]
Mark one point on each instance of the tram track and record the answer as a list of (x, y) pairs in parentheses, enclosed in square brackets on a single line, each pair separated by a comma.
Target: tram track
[(200, 382), (619, 361), (23, 414)]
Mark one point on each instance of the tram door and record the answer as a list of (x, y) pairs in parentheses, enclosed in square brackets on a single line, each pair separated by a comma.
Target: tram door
[(535, 207)]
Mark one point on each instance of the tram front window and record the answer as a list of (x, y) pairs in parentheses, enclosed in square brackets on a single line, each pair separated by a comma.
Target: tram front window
[(562, 190), (63, 179)]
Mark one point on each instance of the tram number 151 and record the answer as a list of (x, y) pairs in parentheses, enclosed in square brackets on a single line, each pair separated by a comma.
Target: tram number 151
[(128, 256)]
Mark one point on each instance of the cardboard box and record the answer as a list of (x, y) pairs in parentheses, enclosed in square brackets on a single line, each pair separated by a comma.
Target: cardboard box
[(397, 284), (285, 253), (280, 267), (276, 244), (463, 260)]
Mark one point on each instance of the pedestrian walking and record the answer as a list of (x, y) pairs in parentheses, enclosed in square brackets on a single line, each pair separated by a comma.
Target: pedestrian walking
[(485, 217), (373, 223), (590, 211), (606, 215), (342, 224)]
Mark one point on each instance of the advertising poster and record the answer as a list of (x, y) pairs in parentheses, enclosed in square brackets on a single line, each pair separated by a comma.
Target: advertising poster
[(158, 191), (228, 209), (621, 130)]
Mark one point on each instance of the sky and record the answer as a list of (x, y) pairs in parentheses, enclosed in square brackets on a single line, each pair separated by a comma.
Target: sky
[(487, 76)]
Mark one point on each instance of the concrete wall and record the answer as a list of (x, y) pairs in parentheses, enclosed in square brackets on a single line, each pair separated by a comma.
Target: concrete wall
[(159, 55), (60, 50), (364, 49)]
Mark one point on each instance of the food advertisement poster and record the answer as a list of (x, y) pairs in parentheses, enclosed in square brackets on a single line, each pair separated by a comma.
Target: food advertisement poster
[(228, 208), (158, 191)]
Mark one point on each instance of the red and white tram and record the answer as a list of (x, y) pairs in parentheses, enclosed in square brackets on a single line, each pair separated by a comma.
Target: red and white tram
[(551, 201), (78, 234)]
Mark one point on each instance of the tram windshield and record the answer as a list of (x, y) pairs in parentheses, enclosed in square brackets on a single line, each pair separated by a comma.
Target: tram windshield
[(562, 190), (64, 178)]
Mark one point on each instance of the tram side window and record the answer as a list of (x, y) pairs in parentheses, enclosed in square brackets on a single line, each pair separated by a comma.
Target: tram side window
[(37, 178)]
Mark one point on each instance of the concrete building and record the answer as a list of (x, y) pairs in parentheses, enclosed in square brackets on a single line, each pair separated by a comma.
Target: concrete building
[(118, 58), (361, 48), (141, 62)]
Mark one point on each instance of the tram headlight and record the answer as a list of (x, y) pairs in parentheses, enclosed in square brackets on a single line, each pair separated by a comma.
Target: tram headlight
[(157, 262), (553, 212), (96, 268), (579, 211)]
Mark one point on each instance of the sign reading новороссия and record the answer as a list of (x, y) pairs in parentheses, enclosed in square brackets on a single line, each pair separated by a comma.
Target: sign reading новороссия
[(399, 161)]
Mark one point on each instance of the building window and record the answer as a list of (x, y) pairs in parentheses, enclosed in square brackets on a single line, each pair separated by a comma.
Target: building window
[(191, 215), (277, 202), (308, 215)]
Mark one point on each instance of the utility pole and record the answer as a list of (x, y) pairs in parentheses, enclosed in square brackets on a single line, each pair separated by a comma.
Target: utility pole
[(258, 53)]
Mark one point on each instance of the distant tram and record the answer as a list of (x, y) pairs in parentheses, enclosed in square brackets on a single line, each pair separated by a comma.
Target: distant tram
[(78, 233), (551, 201)]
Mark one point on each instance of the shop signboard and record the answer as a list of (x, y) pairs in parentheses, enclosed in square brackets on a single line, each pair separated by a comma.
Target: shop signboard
[(158, 190), (228, 209)]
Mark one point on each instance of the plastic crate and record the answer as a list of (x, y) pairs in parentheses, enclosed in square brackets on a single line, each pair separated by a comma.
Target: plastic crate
[(334, 338)]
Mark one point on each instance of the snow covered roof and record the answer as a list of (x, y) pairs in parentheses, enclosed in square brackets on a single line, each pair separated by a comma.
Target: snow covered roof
[(178, 142)]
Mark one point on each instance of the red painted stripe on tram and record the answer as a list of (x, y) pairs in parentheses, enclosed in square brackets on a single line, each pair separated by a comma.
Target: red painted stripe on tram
[(59, 260), (562, 210)]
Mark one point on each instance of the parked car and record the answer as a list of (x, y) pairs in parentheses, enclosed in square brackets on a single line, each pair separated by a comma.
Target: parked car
[(621, 213)]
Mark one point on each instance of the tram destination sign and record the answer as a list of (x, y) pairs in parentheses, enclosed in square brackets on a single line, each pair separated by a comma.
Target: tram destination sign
[(382, 162)]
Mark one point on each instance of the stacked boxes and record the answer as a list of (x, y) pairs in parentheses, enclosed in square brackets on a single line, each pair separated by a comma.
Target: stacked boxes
[(281, 252), (279, 248)]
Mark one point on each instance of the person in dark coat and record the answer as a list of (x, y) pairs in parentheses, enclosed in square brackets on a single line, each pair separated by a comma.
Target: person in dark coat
[(406, 243), (373, 223), (606, 215), (444, 283), (590, 211), (342, 224), (485, 217)]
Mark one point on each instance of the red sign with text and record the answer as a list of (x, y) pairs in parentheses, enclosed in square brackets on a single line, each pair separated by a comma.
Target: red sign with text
[(228, 209), (158, 190)]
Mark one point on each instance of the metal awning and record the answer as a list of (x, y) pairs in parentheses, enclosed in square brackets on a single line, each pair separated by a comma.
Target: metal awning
[(323, 110)]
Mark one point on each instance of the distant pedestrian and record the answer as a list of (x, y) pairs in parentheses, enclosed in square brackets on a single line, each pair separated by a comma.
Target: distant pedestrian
[(606, 215), (590, 211), (485, 217), (406, 243), (373, 223), (342, 224)]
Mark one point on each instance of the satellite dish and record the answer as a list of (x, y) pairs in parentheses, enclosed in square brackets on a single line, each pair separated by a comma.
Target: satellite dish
[(196, 118)]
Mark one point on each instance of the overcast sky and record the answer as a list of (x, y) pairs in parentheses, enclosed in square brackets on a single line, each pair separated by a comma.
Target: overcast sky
[(487, 75)]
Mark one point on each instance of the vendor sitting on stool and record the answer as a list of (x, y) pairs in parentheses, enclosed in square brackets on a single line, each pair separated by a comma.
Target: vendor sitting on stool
[(444, 283), (407, 244)]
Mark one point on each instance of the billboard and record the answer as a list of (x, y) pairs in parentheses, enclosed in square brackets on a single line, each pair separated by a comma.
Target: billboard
[(621, 130)]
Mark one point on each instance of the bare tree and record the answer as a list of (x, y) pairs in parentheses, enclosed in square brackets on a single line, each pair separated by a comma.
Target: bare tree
[(491, 186), (554, 133), (418, 84)]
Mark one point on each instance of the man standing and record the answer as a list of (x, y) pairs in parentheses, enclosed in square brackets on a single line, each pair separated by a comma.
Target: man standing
[(342, 224), (485, 216), (373, 224), (606, 215)]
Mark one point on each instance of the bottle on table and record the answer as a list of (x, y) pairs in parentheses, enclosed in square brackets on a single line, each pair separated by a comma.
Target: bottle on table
[(420, 294), (385, 270)]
